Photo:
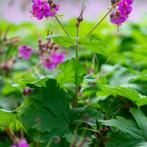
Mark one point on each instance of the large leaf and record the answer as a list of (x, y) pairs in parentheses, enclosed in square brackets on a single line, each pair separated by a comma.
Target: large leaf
[(46, 109), (128, 93)]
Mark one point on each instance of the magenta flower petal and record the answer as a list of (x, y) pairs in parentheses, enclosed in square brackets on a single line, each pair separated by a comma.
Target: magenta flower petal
[(25, 51), (41, 9), (53, 60), (47, 63), (129, 2), (57, 57), (23, 143), (121, 13)]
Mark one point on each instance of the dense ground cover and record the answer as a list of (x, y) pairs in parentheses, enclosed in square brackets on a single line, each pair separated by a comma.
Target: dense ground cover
[(73, 91)]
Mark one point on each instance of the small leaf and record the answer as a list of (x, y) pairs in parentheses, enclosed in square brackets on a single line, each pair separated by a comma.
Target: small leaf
[(6, 118)]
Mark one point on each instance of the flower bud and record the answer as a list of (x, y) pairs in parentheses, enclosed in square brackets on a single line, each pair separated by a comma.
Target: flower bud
[(27, 91)]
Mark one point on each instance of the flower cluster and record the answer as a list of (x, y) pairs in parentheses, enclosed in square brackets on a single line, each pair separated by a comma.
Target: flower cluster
[(49, 56), (121, 13), (21, 143), (42, 8), (24, 51)]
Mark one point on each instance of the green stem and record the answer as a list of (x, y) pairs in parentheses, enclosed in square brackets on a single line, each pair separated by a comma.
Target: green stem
[(75, 101), (79, 20), (62, 26), (100, 21)]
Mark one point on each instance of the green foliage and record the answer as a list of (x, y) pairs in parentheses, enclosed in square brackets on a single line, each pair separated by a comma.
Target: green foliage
[(133, 132), (69, 68), (6, 118), (46, 110), (129, 93), (64, 41), (95, 46), (111, 80)]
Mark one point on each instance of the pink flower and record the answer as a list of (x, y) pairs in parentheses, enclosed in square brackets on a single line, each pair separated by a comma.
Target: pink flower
[(41, 8), (129, 2), (24, 51), (53, 60), (49, 64), (121, 13), (57, 57), (22, 143)]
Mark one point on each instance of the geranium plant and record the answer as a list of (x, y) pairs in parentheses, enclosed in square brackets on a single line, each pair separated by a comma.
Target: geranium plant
[(77, 85)]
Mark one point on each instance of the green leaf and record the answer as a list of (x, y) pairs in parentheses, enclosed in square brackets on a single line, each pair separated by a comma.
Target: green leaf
[(126, 126), (20, 79), (64, 41), (95, 46), (46, 109), (6, 118), (133, 133), (128, 93), (68, 70), (123, 140), (141, 120)]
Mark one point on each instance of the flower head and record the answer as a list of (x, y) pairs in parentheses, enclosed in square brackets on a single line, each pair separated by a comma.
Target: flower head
[(24, 51), (121, 13), (53, 60), (41, 9)]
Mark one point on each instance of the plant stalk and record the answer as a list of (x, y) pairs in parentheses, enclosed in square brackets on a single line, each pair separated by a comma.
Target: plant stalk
[(62, 26), (76, 73), (90, 32), (75, 100), (79, 20)]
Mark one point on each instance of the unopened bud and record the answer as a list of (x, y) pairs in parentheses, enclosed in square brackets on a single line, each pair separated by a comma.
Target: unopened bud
[(27, 91)]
